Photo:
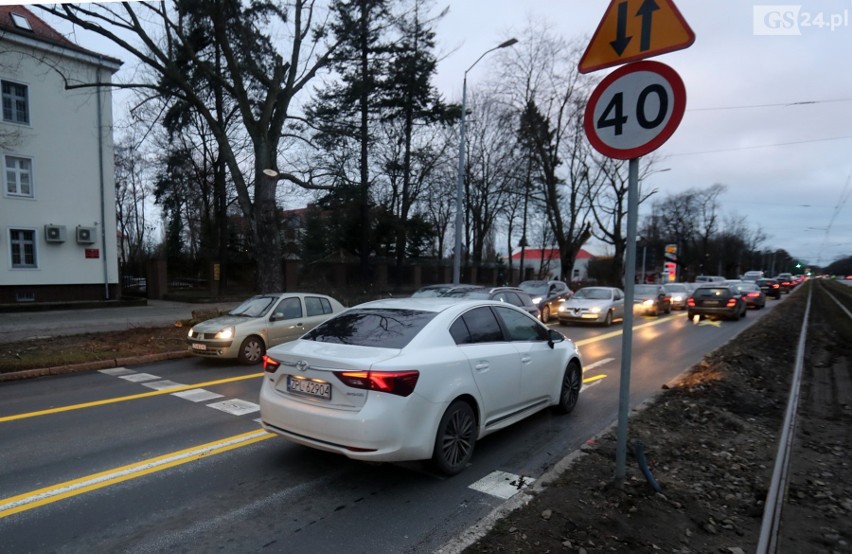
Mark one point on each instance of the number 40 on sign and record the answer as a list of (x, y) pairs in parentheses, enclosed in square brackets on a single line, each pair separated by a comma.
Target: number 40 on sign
[(635, 109)]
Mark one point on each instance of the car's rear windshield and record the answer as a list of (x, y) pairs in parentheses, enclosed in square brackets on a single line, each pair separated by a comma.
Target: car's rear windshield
[(709, 292), (385, 328)]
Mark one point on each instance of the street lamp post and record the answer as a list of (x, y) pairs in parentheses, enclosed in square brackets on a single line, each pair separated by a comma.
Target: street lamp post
[(460, 176)]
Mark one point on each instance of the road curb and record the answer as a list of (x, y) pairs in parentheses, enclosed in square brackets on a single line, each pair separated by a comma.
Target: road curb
[(92, 366)]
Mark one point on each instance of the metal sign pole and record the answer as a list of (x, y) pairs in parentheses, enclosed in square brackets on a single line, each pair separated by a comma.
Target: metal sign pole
[(627, 331)]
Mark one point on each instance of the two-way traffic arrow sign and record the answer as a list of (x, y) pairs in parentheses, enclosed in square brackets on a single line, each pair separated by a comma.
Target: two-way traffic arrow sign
[(634, 30)]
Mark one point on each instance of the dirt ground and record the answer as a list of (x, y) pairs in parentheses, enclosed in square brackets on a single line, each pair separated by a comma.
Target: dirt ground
[(711, 442)]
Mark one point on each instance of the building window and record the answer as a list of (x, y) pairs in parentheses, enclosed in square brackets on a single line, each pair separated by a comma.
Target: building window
[(19, 176), (22, 242), (16, 108)]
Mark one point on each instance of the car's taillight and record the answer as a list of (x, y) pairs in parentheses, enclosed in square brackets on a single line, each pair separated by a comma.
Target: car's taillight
[(753, 294), (690, 301), (270, 365), (400, 383), (775, 285), (732, 302)]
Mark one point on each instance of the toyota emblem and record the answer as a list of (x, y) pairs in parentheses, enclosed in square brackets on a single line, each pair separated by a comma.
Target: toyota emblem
[(302, 365)]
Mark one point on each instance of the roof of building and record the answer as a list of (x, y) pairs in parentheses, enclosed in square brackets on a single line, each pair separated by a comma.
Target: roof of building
[(547, 254), (39, 30)]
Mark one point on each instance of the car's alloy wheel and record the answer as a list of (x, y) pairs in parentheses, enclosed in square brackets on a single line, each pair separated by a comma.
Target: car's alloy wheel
[(252, 350), (570, 391), (455, 439), (608, 320)]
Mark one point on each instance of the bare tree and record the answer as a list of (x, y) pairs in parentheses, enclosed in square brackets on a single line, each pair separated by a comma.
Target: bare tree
[(177, 40), (540, 77)]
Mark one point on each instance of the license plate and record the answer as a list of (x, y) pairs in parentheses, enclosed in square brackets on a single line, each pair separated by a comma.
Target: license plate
[(197, 346), (319, 389), (711, 302)]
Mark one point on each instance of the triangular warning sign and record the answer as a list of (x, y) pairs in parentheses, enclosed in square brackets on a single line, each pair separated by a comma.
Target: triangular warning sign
[(633, 30)]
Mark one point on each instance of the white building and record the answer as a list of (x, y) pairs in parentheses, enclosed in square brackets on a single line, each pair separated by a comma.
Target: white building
[(546, 264), (57, 208)]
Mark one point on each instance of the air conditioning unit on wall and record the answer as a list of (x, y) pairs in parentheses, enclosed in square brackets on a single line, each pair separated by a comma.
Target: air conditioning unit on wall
[(54, 233), (85, 235)]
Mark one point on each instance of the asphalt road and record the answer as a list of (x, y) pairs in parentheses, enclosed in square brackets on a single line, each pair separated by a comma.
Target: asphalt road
[(106, 461)]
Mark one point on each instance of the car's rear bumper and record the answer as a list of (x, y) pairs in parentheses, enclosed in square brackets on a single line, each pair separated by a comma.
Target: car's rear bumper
[(387, 428)]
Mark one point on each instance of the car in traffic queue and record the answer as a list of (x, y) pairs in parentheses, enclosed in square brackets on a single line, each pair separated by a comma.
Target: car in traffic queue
[(431, 291), (786, 281), (716, 301), (678, 293), (510, 295), (412, 379), (547, 296), (651, 300), (752, 295), (247, 331), (752, 275), (602, 305), (770, 287)]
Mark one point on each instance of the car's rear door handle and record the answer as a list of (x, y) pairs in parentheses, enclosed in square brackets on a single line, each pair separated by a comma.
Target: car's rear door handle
[(482, 365), (526, 359)]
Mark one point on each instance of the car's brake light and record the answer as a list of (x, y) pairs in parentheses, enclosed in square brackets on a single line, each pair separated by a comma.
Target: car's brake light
[(400, 383), (270, 365), (753, 294), (690, 301), (732, 302)]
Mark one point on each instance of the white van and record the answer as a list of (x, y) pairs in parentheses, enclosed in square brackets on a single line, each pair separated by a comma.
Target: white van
[(709, 279), (752, 275)]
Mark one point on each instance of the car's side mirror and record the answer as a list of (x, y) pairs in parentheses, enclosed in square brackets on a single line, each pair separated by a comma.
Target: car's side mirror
[(553, 337)]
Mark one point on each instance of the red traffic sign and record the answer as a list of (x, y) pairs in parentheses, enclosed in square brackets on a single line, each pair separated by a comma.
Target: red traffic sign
[(633, 30), (635, 109)]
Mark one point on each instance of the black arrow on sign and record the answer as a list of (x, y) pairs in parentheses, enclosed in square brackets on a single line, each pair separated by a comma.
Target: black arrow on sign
[(621, 40), (646, 10)]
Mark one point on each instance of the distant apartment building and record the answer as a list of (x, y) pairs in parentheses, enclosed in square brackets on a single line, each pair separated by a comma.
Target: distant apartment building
[(58, 235)]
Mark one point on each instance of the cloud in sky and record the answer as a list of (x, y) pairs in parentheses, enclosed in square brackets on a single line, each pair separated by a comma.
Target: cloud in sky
[(769, 116)]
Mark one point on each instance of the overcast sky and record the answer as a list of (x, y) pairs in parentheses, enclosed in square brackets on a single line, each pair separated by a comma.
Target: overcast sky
[(786, 166), (769, 116)]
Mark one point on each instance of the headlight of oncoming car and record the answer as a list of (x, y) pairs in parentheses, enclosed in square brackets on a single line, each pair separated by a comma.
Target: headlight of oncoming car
[(595, 309), (536, 300), (648, 302), (226, 333)]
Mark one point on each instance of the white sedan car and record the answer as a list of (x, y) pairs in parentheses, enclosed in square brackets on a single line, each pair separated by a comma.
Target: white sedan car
[(259, 323), (417, 379)]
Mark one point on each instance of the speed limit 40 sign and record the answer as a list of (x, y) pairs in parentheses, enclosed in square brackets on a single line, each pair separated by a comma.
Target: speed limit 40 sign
[(635, 109)]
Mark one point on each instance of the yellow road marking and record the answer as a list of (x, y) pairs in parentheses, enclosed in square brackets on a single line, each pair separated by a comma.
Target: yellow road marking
[(620, 331), (54, 493), (593, 379), (126, 398)]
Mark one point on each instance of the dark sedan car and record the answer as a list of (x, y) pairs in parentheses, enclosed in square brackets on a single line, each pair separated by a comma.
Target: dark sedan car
[(510, 295), (651, 300), (770, 287), (547, 295), (716, 301), (752, 295)]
